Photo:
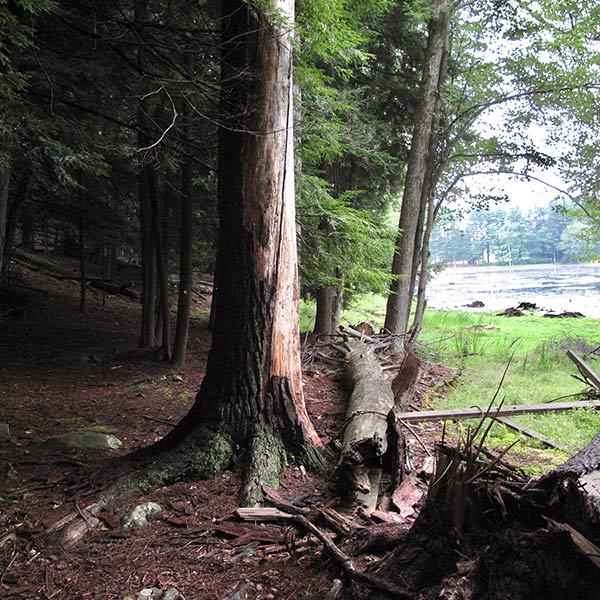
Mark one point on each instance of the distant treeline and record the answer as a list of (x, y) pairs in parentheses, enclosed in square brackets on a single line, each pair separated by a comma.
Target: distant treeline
[(510, 236)]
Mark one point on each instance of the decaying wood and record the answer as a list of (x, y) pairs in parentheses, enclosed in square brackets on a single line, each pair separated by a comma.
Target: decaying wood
[(266, 513), (342, 559), (336, 590), (365, 428), (347, 565), (353, 333), (405, 382), (397, 450), (474, 413), (367, 499), (585, 369), (365, 437), (533, 434), (585, 546)]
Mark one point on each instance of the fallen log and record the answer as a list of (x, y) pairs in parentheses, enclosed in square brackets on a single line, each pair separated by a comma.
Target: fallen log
[(474, 413), (114, 289), (365, 437), (365, 428)]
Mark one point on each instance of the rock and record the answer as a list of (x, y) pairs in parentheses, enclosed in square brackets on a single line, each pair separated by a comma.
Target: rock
[(475, 304), (84, 440), (527, 306), (142, 514), (4, 432), (150, 594), (171, 594), (510, 312)]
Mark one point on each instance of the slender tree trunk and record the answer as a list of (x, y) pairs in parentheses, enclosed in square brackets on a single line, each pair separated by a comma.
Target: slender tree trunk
[(161, 264), (148, 324), (14, 208), (252, 390), (399, 299), (82, 269), (423, 276), (4, 188), (185, 249), (27, 234), (329, 309)]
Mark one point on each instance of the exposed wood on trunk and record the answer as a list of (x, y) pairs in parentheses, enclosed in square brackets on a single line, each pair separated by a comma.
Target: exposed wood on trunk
[(585, 369), (405, 383), (533, 434), (474, 413)]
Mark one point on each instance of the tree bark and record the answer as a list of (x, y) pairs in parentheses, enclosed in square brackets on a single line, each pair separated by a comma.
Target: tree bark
[(4, 188), (185, 249), (329, 303), (164, 332), (148, 324), (399, 299), (251, 396), (14, 208), (82, 269)]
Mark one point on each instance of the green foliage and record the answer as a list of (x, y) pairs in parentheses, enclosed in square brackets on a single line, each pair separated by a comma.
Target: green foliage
[(351, 250), (17, 33)]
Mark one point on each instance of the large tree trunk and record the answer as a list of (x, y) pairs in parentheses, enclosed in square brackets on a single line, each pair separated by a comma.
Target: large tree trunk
[(82, 265), (251, 396), (185, 249), (399, 299), (14, 208)]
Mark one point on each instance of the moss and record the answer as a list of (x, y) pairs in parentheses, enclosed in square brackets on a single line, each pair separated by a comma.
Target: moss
[(266, 458), (202, 457), (212, 453)]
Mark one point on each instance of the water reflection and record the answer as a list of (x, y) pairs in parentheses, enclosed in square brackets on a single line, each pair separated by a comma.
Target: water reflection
[(551, 287)]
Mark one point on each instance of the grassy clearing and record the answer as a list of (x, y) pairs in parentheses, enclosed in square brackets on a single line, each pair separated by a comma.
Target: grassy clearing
[(481, 345)]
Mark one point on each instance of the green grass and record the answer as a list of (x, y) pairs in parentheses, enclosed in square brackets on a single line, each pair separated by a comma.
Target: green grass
[(539, 370), (481, 345)]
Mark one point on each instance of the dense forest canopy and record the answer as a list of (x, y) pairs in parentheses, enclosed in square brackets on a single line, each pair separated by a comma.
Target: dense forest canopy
[(111, 113)]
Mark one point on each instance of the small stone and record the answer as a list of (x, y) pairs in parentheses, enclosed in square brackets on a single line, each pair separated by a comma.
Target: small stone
[(4, 432), (171, 594), (84, 440), (142, 514), (150, 594)]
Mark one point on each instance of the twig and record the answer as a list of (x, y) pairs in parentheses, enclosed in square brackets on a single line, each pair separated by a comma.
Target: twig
[(415, 434)]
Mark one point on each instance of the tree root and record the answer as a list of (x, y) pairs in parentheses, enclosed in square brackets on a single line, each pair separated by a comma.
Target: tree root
[(200, 456)]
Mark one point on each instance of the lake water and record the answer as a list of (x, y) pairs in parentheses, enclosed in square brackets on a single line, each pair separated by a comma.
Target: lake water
[(551, 287)]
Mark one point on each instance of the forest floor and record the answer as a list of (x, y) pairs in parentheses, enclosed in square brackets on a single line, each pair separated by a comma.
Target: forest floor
[(62, 370)]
